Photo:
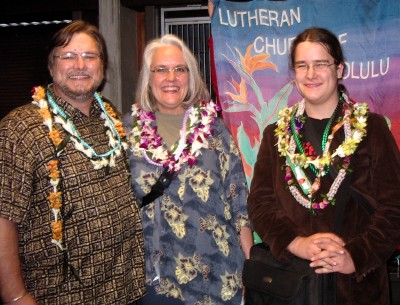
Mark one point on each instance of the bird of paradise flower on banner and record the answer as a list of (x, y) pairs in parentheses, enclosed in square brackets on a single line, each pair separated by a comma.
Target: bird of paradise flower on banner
[(262, 112)]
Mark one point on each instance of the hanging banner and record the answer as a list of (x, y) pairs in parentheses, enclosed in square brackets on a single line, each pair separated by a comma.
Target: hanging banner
[(252, 48)]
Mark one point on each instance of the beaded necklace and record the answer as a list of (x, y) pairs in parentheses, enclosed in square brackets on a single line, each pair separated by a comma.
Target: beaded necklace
[(115, 143), (323, 142)]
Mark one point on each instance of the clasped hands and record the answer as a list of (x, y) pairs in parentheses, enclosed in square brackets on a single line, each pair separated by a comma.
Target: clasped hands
[(326, 251)]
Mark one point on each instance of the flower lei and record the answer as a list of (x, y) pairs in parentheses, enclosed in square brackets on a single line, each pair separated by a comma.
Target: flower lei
[(196, 128), (354, 124), (52, 115)]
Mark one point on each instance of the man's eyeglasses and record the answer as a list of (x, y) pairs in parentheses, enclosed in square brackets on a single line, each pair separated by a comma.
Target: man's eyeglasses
[(164, 71), (318, 67), (73, 57)]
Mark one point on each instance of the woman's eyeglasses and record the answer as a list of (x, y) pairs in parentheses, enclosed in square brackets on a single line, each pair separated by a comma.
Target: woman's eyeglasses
[(164, 71)]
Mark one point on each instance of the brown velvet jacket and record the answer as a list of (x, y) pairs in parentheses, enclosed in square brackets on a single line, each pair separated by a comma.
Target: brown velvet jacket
[(370, 239)]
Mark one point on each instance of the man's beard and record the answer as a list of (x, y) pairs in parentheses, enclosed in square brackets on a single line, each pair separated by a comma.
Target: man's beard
[(79, 95)]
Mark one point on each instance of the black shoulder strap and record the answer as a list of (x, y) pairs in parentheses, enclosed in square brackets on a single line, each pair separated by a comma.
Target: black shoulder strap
[(362, 201), (346, 192), (159, 187)]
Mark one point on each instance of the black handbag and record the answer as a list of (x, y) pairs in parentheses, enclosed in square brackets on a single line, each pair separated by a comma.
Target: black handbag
[(270, 282)]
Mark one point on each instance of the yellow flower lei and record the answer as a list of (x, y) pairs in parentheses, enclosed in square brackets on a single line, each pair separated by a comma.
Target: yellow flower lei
[(354, 122)]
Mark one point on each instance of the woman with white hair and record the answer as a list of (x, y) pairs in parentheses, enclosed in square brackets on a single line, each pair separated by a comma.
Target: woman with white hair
[(189, 180)]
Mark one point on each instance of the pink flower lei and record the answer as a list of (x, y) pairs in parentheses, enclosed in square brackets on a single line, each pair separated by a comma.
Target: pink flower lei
[(196, 129)]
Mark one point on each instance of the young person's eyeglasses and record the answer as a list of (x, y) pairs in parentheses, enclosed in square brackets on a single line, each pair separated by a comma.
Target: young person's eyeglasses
[(317, 67)]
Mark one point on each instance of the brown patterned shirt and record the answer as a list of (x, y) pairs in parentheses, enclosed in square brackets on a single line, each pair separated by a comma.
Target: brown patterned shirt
[(102, 232)]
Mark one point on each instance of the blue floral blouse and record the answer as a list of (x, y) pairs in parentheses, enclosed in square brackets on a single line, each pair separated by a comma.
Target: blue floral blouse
[(192, 246)]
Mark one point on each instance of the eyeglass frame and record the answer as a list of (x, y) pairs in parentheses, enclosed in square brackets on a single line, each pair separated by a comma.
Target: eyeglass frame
[(67, 56), (164, 71), (321, 66)]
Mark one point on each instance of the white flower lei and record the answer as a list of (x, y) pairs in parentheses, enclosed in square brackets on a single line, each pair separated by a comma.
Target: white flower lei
[(115, 140)]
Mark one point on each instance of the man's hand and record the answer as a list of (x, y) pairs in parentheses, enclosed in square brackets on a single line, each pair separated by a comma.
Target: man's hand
[(326, 251)]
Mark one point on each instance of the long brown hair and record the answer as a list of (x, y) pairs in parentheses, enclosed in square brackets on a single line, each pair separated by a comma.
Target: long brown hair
[(327, 39)]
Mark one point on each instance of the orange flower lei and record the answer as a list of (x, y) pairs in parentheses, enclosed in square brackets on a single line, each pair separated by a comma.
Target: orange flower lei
[(118, 124), (55, 196)]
